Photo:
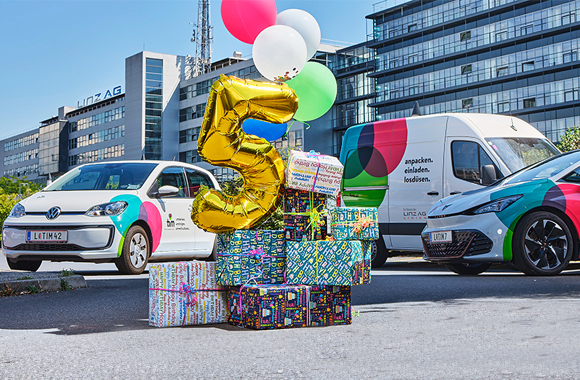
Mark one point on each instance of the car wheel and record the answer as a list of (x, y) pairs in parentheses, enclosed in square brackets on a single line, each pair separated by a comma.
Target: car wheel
[(468, 268), (136, 251), (379, 253), (542, 244), (29, 265)]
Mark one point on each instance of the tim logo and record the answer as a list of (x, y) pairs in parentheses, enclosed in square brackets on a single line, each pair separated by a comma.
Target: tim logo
[(170, 223)]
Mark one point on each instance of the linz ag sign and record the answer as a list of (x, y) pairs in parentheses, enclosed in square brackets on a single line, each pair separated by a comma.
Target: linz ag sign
[(97, 97)]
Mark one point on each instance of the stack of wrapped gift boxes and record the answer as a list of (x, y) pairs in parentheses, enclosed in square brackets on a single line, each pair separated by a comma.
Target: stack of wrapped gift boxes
[(296, 277)]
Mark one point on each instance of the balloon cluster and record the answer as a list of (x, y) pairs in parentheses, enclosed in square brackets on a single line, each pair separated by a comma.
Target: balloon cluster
[(282, 45)]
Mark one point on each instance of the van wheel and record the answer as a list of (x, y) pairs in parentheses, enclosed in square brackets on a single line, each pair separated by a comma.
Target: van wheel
[(379, 253), (136, 252), (29, 265), (542, 244), (468, 268)]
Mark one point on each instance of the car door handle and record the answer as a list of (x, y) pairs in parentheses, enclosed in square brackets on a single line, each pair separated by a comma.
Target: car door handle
[(433, 193), (455, 192)]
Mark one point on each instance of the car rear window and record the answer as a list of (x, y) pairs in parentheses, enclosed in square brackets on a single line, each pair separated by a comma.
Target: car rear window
[(112, 176)]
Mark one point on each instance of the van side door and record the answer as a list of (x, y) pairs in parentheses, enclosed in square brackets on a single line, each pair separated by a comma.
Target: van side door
[(417, 182), (203, 240), (465, 166)]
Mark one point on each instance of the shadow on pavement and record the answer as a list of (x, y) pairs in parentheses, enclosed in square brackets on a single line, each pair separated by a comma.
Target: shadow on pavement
[(121, 303)]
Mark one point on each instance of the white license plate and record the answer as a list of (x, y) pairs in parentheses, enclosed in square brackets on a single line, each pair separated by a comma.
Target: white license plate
[(441, 237), (47, 236)]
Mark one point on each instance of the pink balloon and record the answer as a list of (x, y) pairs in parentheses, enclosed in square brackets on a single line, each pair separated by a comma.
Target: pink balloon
[(245, 19)]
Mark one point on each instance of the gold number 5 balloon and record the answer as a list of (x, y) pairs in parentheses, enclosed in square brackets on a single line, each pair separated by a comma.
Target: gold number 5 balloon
[(222, 142)]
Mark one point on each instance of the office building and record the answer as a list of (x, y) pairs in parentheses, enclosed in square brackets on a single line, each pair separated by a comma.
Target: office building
[(513, 57)]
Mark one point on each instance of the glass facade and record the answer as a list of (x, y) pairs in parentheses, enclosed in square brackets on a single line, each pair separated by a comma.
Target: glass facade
[(21, 142), (97, 137), (48, 148), (511, 57), (97, 155), (153, 108), (355, 90)]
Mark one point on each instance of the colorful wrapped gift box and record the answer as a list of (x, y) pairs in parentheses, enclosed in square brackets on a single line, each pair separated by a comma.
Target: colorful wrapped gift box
[(355, 223), (283, 306), (362, 269), (185, 293), (303, 201), (314, 172), (330, 305), (298, 227), (269, 306), (322, 262), (245, 255)]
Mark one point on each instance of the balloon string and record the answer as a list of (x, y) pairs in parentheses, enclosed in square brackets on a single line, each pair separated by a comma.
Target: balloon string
[(288, 126)]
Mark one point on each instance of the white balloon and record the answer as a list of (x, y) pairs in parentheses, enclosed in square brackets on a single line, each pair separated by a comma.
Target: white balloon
[(279, 53), (305, 24)]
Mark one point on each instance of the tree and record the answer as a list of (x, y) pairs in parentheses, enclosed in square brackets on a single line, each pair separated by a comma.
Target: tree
[(13, 190), (570, 140)]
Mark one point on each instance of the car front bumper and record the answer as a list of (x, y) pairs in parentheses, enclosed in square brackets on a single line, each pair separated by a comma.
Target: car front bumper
[(91, 242), (476, 238)]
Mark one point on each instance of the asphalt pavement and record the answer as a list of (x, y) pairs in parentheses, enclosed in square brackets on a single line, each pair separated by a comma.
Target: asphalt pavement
[(416, 321)]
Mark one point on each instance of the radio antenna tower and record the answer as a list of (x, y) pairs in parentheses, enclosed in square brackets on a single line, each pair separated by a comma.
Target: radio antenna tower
[(202, 38)]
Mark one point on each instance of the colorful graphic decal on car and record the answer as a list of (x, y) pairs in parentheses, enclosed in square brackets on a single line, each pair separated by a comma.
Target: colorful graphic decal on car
[(373, 151), (563, 197), (138, 210)]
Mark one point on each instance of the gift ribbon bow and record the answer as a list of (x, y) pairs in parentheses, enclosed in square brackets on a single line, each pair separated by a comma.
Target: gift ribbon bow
[(359, 225)]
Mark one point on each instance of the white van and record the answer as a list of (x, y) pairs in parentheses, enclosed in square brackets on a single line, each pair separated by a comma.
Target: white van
[(404, 166)]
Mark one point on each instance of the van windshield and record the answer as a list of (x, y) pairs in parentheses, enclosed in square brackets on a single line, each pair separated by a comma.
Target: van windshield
[(519, 152), (546, 169), (113, 176)]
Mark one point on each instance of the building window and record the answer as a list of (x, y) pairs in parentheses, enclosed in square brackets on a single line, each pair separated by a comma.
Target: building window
[(413, 58), (530, 103), (569, 96), (464, 36), (526, 29), (568, 18), (503, 107), (466, 69), (570, 56), (411, 27), (527, 66), (467, 103), (500, 36), (501, 71), (413, 90)]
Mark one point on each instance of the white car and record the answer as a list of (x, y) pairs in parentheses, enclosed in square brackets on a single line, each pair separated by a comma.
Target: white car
[(126, 212)]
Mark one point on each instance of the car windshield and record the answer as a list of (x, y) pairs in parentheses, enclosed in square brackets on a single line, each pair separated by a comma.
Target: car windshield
[(113, 176), (545, 169), (519, 152)]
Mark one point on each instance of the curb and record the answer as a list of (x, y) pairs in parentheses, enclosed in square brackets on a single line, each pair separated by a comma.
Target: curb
[(43, 284)]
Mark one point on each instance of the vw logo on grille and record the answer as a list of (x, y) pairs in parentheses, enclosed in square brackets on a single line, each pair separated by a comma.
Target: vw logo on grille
[(53, 213)]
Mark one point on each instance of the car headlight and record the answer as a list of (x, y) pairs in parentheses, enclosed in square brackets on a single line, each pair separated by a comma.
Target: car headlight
[(497, 205), (17, 211), (107, 209)]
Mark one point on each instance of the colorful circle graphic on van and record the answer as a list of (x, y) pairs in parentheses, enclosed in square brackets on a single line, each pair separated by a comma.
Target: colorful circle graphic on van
[(379, 149)]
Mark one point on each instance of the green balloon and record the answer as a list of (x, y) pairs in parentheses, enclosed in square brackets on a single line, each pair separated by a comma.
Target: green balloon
[(315, 87)]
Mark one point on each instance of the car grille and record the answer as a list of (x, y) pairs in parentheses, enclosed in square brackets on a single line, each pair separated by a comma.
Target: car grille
[(48, 247), (465, 243)]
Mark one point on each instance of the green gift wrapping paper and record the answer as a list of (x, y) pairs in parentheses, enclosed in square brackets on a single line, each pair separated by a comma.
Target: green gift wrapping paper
[(355, 223), (245, 255), (323, 262)]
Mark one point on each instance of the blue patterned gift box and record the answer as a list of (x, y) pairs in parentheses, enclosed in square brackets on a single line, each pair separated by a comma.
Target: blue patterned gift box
[(323, 262), (245, 255), (283, 306), (355, 223)]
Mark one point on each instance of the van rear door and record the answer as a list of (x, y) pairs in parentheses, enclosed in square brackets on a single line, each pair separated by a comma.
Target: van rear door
[(417, 182)]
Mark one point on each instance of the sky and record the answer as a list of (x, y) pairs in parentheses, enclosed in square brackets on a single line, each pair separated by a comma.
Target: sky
[(55, 53)]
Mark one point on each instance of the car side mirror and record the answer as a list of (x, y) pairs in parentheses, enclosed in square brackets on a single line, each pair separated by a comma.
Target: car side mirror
[(167, 191), (488, 175)]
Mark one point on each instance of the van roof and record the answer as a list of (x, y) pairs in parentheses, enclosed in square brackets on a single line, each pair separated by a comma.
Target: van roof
[(490, 125)]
